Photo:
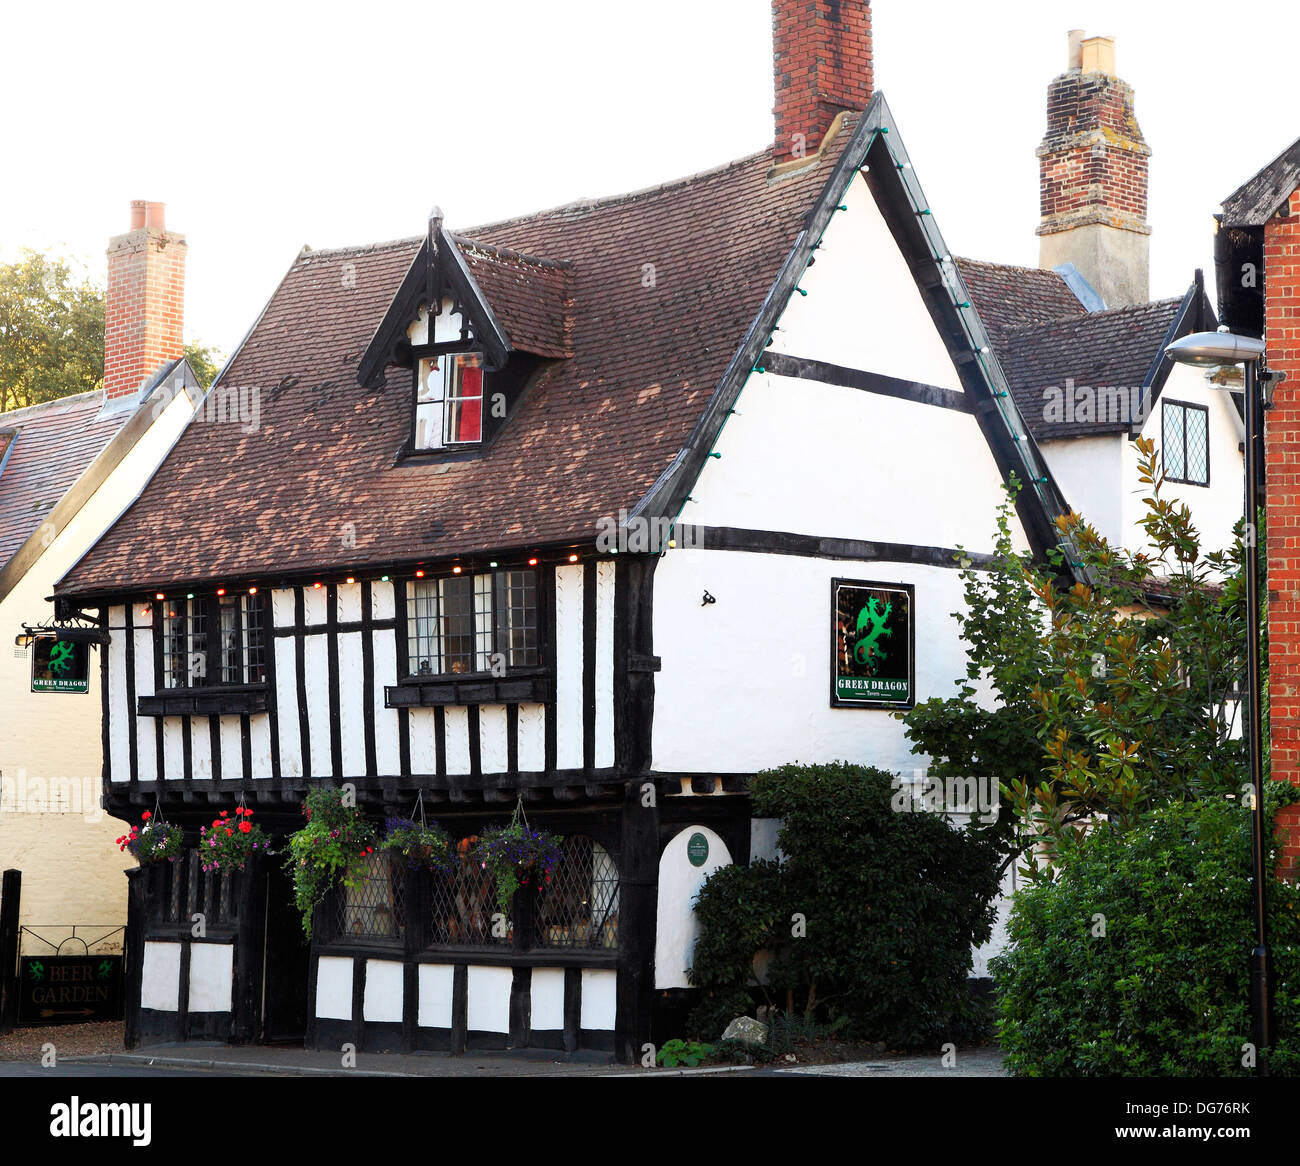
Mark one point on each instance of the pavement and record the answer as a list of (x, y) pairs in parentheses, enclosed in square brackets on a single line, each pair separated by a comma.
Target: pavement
[(261, 1060)]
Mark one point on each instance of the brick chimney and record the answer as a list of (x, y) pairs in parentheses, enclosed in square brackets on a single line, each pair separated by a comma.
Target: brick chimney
[(822, 66), (146, 301), (1093, 175)]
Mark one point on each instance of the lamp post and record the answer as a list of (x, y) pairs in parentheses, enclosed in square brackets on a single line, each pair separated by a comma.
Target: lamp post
[(1212, 349)]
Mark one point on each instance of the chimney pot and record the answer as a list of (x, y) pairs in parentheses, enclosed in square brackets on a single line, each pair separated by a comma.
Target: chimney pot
[(1098, 55), (137, 213), (153, 216), (1076, 49)]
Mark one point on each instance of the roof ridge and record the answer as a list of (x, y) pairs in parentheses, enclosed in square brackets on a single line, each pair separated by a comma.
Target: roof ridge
[(1091, 317), (47, 406), (510, 254)]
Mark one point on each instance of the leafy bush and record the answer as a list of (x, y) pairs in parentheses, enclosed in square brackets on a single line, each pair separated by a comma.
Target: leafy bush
[(1165, 990), (872, 915), (682, 1052)]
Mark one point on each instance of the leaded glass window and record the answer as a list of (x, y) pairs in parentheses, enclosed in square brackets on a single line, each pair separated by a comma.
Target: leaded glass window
[(467, 623)]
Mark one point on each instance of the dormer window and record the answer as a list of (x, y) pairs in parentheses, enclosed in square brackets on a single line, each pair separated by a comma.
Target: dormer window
[(448, 400)]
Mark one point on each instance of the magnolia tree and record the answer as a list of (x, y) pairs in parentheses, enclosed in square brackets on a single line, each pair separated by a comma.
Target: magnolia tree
[(1114, 694)]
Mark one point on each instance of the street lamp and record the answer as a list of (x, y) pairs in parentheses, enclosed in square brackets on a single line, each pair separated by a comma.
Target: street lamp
[(1210, 349)]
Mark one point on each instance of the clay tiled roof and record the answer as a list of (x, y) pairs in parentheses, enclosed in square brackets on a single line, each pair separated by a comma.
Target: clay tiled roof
[(315, 486), (49, 446), (531, 297), (1010, 297), (1116, 348)]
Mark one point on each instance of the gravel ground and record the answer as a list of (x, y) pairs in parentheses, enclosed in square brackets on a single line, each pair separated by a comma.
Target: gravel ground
[(69, 1040)]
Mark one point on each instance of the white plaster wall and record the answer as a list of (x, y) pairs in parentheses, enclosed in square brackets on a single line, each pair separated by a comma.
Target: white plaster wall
[(212, 967), (456, 725), (315, 605), (259, 729), (492, 738), (998, 940), (200, 749), (762, 654), (382, 998), (316, 665), (334, 988), (446, 326), (72, 869), (599, 999), (384, 655), (352, 723), (820, 459), (173, 749), (1216, 507), (1091, 472), (568, 666), (282, 605), (532, 737), (349, 599), (286, 705), (547, 999), (435, 987), (676, 927), (381, 601), (232, 757), (863, 309), (605, 572), (118, 733), (424, 746), (763, 834), (160, 976), (488, 999), (145, 730)]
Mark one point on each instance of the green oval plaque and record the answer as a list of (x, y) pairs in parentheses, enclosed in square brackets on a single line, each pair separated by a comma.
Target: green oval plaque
[(697, 850)]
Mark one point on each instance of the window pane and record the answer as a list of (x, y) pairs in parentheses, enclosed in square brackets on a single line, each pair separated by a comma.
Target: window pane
[(516, 600), (428, 403), (175, 660), (229, 650), (197, 647), (465, 400), (1172, 441), (456, 623), (422, 658), (483, 622), (375, 908), (254, 640), (1198, 447)]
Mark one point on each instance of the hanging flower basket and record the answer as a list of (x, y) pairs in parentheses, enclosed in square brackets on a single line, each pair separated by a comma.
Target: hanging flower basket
[(152, 841), (230, 842), (419, 845), (516, 855), (329, 849)]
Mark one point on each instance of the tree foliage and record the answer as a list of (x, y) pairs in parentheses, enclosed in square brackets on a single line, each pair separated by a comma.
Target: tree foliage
[(1116, 694), (52, 333)]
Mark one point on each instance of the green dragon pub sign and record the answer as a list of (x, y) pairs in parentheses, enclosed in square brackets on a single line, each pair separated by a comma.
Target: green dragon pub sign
[(59, 665), (872, 644)]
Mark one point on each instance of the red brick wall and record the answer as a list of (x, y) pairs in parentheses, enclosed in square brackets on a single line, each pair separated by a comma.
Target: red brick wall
[(1093, 159), (1282, 457), (145, 307), (822, 66)]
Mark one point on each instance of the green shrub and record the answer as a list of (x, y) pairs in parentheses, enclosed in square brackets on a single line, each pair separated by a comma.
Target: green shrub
[(889, 905), (1165, 990)]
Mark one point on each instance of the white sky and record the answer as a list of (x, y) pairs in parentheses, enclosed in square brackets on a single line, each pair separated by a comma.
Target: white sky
[(264, 126)]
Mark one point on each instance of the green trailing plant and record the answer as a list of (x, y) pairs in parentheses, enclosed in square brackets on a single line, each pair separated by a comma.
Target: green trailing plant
[(328, 850), (420, 845), (1133, 961), (230, 842), (682, 1052), (515, 855), (152, 840)]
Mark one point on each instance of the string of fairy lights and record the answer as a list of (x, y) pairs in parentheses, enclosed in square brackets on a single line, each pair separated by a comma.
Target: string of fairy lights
[(976, 339)]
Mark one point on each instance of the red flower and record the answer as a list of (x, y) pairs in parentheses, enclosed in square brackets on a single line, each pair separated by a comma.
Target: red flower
[(216, 825), (224, 814), (244, 827), (147, 815), (230, 833)]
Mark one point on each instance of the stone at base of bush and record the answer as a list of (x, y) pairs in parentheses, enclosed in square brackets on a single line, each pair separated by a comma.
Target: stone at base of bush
[(747, 1030)]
